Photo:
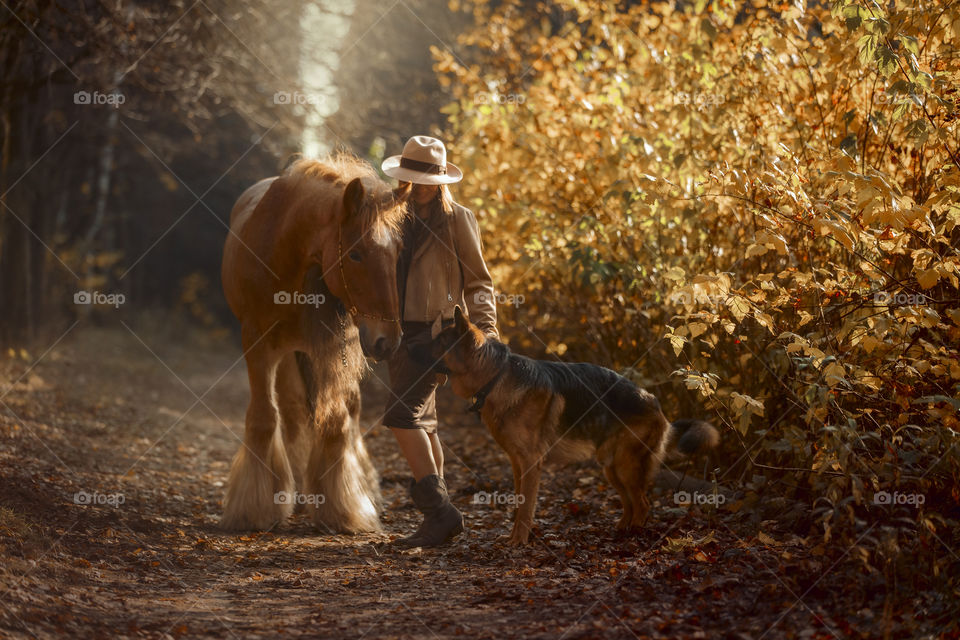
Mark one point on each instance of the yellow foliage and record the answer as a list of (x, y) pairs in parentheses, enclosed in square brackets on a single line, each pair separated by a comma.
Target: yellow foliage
[(678, 187)]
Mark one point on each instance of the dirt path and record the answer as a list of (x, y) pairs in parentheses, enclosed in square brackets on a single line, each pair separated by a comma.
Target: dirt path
[(146, 420)]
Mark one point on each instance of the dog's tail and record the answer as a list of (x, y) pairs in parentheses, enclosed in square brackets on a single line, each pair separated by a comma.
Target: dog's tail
[(687, 437)]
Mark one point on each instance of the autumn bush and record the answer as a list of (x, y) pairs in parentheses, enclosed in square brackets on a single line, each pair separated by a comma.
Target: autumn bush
[(759, 201)]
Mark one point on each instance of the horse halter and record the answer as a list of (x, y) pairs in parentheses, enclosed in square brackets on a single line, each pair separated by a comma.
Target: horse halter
[(351, 307)]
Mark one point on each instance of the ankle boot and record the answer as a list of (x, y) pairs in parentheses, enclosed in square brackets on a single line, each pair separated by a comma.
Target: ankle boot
[(441, 520)]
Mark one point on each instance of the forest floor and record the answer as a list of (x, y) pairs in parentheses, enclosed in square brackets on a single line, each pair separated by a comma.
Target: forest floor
[(147, 419)]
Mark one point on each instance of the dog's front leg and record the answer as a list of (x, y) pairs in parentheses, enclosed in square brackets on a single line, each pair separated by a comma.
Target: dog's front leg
[(517, 472), (526, 497)]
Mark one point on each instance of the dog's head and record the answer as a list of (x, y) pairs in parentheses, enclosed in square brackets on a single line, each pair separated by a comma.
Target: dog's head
[(456, 349)]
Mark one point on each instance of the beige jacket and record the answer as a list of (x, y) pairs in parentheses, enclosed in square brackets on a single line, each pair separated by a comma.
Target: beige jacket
[(447, 270)]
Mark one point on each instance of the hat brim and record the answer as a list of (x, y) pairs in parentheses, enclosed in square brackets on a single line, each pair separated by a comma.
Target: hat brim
[(391, 167)]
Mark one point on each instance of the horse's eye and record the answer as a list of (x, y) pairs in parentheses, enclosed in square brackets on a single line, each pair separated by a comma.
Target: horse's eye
[(355, 256)]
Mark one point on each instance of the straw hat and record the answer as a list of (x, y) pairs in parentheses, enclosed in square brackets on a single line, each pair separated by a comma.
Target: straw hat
[(423, 161)]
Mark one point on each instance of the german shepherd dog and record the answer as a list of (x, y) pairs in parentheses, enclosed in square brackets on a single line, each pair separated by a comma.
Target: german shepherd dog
[(534, 408)]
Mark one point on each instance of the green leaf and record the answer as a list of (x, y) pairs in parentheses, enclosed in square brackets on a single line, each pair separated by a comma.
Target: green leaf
[(851, 11), (917, 129), (900, 110), (868, 46), (886, 60), (879, 26), (910, 44)]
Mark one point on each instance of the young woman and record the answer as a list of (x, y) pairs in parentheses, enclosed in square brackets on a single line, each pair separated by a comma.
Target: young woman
[(441, 266)]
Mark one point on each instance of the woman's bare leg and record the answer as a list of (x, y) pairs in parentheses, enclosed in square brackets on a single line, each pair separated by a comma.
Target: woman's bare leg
[(437, 452), (417, 448)]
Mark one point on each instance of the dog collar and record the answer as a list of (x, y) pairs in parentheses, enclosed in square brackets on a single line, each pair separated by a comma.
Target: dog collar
[(481, 396)]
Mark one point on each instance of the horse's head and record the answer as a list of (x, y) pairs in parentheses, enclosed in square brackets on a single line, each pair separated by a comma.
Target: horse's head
[(366, 277)]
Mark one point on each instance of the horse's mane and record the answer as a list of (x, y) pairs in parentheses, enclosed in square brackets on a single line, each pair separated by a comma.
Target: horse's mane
[(340, 168)]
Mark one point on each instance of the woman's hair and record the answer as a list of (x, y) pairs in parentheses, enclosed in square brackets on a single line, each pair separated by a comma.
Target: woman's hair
[(444, 196), (446, 199)]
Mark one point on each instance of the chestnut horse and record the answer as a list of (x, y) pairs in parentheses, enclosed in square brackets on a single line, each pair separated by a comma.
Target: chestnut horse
[(309, 269)]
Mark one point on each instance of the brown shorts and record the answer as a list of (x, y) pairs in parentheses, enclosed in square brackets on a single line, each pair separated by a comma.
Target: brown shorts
[(412, 403)]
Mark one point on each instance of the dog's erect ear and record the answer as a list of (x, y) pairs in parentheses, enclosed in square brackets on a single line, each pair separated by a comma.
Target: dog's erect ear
[(460, 320)]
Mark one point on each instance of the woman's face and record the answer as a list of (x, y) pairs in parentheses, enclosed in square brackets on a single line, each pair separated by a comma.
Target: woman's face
[(424, 193)]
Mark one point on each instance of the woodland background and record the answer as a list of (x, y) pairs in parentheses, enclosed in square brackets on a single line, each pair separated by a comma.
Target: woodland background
[(751, 208)]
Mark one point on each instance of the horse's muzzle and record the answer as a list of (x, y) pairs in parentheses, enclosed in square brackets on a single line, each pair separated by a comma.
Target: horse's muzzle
[(380, 340)]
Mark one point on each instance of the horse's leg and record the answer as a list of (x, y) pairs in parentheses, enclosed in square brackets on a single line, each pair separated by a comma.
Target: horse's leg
[(296, 419), (260, 473), (339, 472), (370, 474)]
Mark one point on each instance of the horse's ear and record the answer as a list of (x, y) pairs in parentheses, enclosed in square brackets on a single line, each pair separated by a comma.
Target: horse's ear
[(353, 198), (460, 320), (401, 193)]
